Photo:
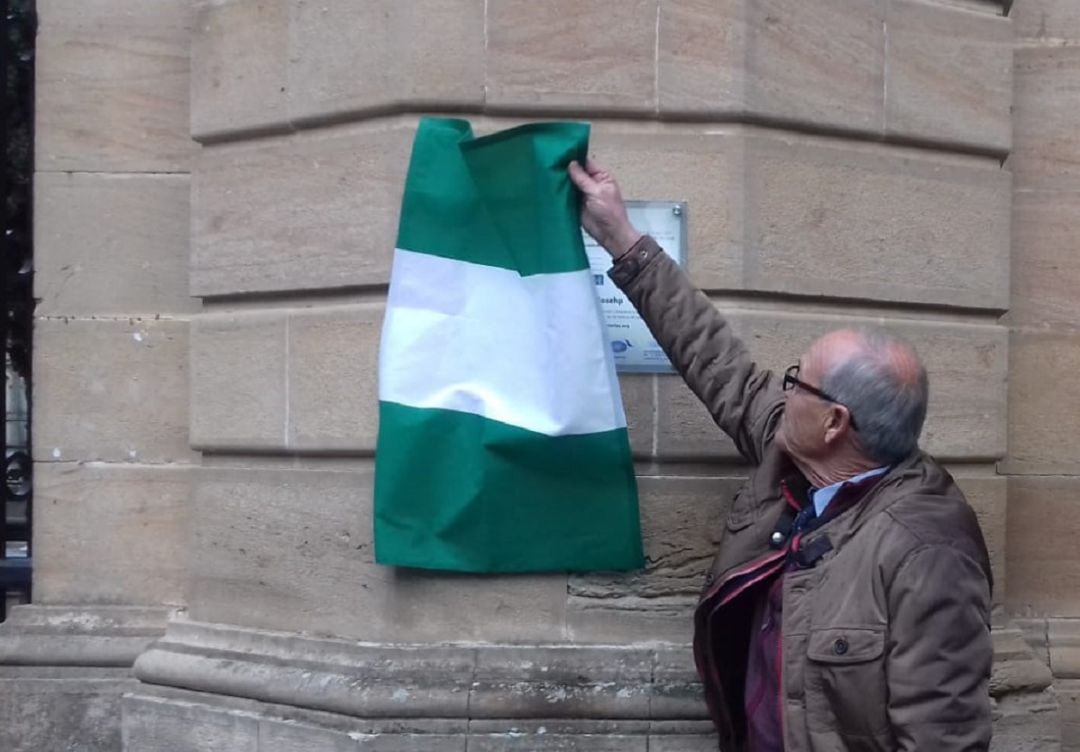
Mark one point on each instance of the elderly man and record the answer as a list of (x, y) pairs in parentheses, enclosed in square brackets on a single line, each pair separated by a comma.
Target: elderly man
[(848, 604)]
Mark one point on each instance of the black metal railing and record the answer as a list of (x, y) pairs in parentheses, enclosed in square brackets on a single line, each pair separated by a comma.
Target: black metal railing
[(18, 23)]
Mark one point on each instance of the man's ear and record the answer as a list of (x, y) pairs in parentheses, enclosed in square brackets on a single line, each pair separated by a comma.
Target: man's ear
[(837, 423)]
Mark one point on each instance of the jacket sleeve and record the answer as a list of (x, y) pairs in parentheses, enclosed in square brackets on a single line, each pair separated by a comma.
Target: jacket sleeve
[(939, 653), (743, 399)]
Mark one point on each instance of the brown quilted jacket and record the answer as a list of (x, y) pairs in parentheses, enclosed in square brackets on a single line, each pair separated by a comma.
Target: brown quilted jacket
[(885, 629)]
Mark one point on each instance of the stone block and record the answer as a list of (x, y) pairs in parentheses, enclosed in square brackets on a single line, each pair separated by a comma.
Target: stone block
[(238, 381), (987, 496), (572, 56), (818, 64), (705, 742), (239, 59), (1063, 636), (271, 549), (640, 406), (332, 379), (112, 86), (681, 521), (875, 222), (1046, 101), (420, 54), (1044, 414), (1045, 263), (283, 736), (1046, 19), (110, 390), (966, 364), (108, 244), (151, 725), (1043, 520), (949, 75), (514, 741), (69, 712), (110, 534), (1068, 693), (312, 211), (701, 166), (702, 56)]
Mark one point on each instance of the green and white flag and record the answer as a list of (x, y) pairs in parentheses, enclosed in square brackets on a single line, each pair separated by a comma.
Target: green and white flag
[(502, 439)]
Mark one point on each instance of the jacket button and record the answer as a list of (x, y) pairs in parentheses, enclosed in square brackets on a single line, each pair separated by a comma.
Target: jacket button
[(777, 538), (840, 647), (709, 578)]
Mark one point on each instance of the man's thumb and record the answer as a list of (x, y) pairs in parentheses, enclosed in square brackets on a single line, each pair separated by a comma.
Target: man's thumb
[(580, 178)]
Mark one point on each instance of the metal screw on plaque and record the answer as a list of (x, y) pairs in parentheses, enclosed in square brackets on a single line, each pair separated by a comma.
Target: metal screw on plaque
[(677, 211)]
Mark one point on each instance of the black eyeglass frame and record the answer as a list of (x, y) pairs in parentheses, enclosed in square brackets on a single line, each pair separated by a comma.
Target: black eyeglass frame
[(791, 380)]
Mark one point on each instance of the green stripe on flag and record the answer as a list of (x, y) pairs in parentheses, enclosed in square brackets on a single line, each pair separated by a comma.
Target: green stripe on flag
[(458, 491), (452, 209)]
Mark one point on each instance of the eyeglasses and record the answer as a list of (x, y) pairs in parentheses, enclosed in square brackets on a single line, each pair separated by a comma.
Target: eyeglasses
[(791, 380)]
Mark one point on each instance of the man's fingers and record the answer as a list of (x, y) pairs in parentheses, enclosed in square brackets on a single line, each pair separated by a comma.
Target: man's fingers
[(593, 166), (581, 178)]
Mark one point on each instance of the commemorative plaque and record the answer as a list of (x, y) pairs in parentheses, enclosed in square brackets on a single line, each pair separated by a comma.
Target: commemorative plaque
[(629, 338)]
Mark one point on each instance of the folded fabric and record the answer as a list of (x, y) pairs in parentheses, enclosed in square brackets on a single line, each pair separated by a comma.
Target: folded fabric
[(502, 439)]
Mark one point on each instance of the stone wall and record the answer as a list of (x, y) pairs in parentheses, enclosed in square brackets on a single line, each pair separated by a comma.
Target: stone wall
[(110, 423), (1043, 462), (210, 456)]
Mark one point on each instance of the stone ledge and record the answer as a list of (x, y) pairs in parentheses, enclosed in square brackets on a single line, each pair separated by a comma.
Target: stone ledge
[(412, 681), (163, 719), (72, 636), (1063, 636)]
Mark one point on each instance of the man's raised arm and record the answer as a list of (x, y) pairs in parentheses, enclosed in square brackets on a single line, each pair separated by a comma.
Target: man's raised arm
[(743, 399)]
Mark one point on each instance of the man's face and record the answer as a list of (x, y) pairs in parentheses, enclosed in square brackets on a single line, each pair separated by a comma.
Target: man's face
[(802, 427)]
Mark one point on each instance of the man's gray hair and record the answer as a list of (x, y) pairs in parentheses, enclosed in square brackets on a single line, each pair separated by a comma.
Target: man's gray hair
[(887, 400)]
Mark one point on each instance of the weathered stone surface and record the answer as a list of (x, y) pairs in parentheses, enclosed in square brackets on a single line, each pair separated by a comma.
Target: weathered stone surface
[(239, 54), (1043, 563), (111, 390), (966, 364), (1046, 19), (238, 381), (1063, 636), (103, 636), (949, 75), (1045, 262), (61, 712), (987, 496), (834, 218), (1029, 722), (271, 549), (419, 54), (314, 210), (767, 212), (702, 55), (572, 56), (681, 523), (333, 400), (705, 742), (821, 63), (107, 244), (698, 165), (110, 534), (112, 86), (1046, 142), (152, 725), (1044, 415), (1068, 694), (515, 741), (640, 406)]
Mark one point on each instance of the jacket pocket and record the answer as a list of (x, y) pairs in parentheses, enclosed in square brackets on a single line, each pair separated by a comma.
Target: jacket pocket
[(846, 688)]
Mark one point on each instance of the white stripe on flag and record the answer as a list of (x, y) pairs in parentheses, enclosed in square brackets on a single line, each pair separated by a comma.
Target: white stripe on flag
[(527, 351)]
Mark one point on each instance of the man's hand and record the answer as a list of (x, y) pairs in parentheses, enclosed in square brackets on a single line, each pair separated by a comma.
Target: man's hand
[(603, 213)]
